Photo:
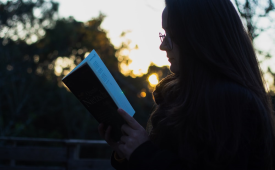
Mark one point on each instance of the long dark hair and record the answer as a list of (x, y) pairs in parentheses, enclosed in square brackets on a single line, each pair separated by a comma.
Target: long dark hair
[(218, 84)]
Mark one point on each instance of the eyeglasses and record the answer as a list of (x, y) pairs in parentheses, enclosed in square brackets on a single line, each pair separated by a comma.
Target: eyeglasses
[(167, 40)]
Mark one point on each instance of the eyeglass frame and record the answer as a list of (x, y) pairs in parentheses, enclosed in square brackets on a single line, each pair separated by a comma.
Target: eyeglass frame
[(162, 39)]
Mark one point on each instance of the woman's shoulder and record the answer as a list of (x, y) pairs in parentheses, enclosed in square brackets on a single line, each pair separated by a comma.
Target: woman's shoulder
[(235, 98), (230, 87), (233, 90)]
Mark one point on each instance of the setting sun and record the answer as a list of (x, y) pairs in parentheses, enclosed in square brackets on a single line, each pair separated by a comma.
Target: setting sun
[(153, 80)]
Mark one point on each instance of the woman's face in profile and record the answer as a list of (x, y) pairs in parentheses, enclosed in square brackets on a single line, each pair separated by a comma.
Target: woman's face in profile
[(172, 54)]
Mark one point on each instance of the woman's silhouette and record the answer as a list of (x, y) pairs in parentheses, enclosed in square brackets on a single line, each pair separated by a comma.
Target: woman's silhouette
[(213, 112)]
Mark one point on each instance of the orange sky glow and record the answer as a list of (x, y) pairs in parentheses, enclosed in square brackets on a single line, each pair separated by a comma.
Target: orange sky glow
[(141, 19)]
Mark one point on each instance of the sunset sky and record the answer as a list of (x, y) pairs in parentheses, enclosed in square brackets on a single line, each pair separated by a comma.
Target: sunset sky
[(140, 18)]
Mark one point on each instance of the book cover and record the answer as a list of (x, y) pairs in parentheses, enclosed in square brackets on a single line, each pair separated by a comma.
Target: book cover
[(94, 86)]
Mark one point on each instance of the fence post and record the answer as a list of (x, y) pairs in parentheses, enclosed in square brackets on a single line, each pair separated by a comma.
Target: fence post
[(73, 154), (12, 161)]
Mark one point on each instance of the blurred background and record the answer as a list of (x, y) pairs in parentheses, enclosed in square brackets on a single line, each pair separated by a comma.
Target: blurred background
[(42, 40)]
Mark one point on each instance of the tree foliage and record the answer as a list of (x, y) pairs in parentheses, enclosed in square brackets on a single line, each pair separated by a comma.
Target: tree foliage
[(258, 16), (34, 103), (253, 11), (25, 20)]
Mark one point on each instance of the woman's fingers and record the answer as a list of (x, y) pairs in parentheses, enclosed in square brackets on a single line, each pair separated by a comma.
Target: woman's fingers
[(127, 130), (105, 133), (101, 130), (129, 119), (108, 135), (125, 139)]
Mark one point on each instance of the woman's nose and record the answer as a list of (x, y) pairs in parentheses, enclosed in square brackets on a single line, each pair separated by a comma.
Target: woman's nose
[(163, 46)]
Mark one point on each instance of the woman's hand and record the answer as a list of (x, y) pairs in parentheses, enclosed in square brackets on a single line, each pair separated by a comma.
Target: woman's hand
[(134, 135), (105, 133)]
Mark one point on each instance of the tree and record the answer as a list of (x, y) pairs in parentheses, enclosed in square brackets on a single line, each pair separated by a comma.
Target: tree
[(254, 12), (18, 78), (26, 20), (34, 102)]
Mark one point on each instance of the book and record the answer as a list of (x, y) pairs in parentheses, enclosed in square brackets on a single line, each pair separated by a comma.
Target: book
[(95, 87)]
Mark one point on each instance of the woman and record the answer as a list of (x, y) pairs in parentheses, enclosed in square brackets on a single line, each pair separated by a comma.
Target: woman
[(213, 112)]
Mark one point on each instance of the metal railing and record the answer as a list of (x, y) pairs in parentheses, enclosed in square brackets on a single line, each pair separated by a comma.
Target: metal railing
[(34, 154)]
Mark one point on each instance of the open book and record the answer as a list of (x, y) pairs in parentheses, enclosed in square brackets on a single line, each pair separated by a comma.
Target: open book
[(92, 83)]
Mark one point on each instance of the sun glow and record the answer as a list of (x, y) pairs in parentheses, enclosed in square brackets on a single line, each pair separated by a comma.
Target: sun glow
[(153, 80)]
